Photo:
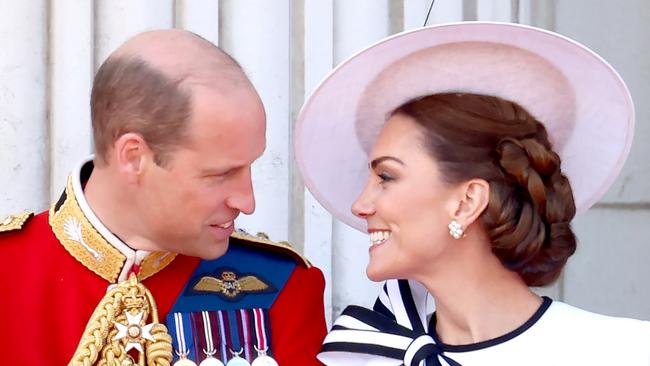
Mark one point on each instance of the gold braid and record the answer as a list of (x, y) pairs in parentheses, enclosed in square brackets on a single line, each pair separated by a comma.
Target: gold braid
[(159, 353), (112, 353), (98, 337)]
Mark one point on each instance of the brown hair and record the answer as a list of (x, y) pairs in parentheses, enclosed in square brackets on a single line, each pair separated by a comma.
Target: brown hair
[(531, 204), (128, 95)]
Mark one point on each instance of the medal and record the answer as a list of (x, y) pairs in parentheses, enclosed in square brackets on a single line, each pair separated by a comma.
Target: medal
[(236, 360), (264, 360), (262, 346), (210, 361), (183, 360), (237, 337), (133, 323)]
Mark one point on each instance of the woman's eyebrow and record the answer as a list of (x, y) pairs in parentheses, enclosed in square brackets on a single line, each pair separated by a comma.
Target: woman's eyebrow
[(380, 159)]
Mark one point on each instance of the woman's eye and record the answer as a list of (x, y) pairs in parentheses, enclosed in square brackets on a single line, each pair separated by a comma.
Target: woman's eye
[(385, 177)]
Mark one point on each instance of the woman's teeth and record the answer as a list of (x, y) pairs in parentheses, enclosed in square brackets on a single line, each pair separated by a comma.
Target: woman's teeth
[(378, 237)]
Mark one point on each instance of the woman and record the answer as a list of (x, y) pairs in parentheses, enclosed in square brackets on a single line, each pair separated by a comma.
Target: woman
[(466, 196)]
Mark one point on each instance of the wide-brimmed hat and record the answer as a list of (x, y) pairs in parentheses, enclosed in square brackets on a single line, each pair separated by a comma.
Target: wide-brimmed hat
[(582, 101)]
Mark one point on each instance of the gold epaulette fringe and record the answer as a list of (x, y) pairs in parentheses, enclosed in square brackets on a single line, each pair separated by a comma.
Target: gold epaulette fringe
[(15, 222), (262, 240)]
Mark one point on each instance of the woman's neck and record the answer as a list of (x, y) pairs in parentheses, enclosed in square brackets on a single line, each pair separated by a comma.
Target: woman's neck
[(478, 299)]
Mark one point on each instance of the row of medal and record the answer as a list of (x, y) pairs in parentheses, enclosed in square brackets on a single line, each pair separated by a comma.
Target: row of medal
[(225, 337)]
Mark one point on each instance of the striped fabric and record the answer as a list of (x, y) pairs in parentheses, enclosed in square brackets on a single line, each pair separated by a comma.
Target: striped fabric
[(393, 333)]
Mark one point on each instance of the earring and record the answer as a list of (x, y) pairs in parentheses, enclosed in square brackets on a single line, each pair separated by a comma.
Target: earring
[(455, 229)]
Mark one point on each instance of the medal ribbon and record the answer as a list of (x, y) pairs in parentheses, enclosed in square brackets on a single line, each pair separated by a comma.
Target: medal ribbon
[(222, 331), (234, 331), (244, 322), (183, 333), (260, 330), (207, 331)]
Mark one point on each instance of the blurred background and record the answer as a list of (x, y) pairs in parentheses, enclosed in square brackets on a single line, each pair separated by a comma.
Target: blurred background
[(49, 51)]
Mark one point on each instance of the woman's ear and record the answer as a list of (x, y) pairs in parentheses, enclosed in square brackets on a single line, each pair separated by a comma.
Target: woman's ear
[(474, 197)]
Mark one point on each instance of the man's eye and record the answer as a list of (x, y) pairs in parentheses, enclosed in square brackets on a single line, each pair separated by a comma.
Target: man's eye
[(225, 174), (217, 176)]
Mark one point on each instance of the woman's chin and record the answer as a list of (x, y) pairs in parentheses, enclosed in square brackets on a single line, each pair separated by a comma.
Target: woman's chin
[(376, 274)]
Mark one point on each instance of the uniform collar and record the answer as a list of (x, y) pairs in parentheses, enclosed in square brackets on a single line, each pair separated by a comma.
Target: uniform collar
[(84, 236)]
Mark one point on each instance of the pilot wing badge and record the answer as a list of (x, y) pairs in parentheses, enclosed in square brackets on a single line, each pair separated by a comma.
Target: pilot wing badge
[(230, 285)]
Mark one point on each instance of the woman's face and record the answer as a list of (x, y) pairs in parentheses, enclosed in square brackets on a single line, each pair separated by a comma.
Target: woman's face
[(406, 203)]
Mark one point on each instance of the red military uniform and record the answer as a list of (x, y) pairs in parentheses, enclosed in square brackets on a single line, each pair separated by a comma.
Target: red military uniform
[(56, 268)]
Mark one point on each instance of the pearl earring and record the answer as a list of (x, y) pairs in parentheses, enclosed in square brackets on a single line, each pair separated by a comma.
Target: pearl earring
[(455, 229)]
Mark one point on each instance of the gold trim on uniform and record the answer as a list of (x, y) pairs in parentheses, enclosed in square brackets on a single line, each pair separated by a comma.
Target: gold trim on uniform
[(15, 222), (262, 240), (126, 318), (80, 238), (154, 262)]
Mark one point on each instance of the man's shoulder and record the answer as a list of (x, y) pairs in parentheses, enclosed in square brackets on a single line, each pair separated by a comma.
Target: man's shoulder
[(15, 222), (28, 248), (251, 274), (23, 229), (261, 244)]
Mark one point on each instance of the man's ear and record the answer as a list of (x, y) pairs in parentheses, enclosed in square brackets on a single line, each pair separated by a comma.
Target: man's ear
[(131, 154), (474, 196)]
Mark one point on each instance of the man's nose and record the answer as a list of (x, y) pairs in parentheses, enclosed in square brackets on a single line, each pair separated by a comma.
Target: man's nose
[(242, 198)]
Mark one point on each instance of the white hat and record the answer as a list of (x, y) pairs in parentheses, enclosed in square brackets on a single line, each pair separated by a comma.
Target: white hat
[(581, 100)]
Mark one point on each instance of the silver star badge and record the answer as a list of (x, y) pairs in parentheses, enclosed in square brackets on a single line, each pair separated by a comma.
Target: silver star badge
[(133, 331)]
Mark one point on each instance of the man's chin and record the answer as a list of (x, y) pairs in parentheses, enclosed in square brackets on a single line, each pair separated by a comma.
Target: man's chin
[(213, 250)]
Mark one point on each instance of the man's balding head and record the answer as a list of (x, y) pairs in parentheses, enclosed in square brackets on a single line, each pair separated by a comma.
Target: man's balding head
[(177, 127), (146, 87)]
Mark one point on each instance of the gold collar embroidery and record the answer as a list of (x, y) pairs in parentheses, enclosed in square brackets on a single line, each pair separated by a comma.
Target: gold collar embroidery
[(82, 239)]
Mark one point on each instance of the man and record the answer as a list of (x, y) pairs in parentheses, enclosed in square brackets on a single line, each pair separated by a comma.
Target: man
[(142, 230)]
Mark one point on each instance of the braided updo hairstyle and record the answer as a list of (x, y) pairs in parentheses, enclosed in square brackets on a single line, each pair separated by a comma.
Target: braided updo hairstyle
[(531, 204)]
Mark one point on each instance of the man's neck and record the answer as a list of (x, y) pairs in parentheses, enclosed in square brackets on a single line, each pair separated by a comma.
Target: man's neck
[(109, 201)]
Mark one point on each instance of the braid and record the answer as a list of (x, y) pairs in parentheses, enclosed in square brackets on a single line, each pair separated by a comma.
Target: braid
[(529, 211)]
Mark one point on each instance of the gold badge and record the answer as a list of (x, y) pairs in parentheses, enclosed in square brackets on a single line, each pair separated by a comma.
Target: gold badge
[(15, 222), (229, 285), (119, 324)]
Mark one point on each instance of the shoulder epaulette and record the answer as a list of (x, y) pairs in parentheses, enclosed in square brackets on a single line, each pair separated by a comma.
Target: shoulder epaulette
[(262, 241), (15, 222)]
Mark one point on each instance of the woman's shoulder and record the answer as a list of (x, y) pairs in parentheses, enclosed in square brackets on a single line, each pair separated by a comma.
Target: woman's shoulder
[(569, 314), (592, 332)]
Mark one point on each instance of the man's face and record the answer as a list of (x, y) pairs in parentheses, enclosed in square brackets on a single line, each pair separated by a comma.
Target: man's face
[(191, 203)]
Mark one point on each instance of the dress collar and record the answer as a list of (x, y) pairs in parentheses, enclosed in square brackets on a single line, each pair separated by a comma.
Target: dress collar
[(393, 332), (541, 310), (84, 236)]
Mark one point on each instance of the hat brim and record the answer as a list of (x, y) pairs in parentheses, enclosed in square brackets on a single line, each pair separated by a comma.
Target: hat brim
[(582, 101)]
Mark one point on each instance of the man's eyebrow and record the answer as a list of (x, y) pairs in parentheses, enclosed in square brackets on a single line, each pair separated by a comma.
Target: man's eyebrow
[(221, 170)]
